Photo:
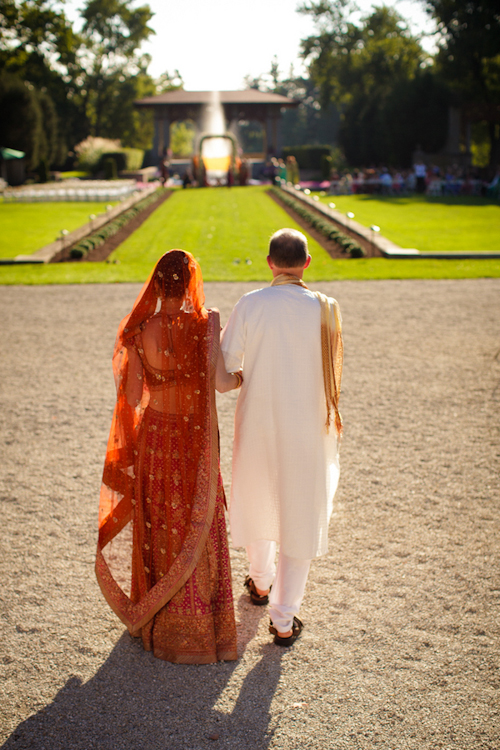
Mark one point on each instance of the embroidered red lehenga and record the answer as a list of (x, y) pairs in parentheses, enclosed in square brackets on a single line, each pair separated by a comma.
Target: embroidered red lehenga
[(162, 491)]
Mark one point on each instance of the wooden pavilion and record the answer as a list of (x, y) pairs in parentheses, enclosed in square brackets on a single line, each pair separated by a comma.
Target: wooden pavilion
[(250, 104)]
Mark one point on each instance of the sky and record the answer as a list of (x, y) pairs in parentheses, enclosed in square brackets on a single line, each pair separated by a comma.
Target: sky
[(214, 44)]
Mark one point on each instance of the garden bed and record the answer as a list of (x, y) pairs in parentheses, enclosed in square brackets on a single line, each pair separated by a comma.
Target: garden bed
[(98, 246), (339, 243)]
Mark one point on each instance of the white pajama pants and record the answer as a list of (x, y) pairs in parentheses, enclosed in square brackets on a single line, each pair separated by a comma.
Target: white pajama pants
[(288, 581)]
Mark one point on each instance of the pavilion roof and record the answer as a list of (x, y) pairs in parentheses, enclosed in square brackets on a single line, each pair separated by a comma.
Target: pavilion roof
[(248, 96)]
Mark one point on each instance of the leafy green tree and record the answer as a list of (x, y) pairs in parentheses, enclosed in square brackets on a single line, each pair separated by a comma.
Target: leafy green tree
[(115, 72), (87, 83), (21, 124), (303, 125), (38, 45), (469, 59), (365, 68), (35, 34)]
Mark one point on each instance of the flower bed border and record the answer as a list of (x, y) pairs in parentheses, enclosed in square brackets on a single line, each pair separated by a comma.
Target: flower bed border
[(320, 224), (82, 248)]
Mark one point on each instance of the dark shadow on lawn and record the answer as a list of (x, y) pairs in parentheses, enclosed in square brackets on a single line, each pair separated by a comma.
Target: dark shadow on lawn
[(137, 701)]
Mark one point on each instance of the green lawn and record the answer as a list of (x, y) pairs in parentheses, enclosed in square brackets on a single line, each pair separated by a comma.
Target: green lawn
[(428, 224), (224, 228), (26, 227)]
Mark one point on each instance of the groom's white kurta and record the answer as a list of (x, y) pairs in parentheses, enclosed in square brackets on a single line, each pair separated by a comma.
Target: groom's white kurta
[(285, 464)]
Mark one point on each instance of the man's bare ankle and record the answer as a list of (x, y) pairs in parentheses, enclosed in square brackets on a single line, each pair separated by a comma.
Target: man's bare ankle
[(262, 592)]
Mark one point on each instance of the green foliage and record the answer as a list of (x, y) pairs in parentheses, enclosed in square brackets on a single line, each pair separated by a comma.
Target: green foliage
[(110, 170), (182, 136), (321, 223), (469, 59), (134, 158), (374, 70), (90, 151), (53, 149), (74, 174), (112, 32), (480, 144), (43, 171), (308, 157), (124, 159), (21, 121), (38, 45), (326, 166), (92, 78), (305, 124), (251, 136)]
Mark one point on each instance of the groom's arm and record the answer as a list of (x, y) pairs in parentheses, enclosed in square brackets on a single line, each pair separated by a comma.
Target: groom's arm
[(233, 341)]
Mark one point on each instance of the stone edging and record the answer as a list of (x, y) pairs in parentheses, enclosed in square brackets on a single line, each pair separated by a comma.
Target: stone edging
[(387, 248)]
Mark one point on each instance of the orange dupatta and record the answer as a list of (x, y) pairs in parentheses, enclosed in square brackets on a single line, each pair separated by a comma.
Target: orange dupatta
[(183, 385)]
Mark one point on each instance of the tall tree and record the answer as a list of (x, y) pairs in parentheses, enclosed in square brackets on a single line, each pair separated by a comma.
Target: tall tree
[(358, 67), (113, 32), (307, 124), (469, 59), (38, 45), (21, 125)]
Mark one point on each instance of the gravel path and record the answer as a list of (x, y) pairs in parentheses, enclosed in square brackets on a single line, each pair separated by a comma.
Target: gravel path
[(402, 617)]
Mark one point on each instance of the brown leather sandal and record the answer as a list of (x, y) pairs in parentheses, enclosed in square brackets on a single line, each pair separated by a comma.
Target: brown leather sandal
[(258, 599), (297, 627)]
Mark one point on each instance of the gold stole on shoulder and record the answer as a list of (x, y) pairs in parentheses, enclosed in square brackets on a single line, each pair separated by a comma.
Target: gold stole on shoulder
[(332, 349)]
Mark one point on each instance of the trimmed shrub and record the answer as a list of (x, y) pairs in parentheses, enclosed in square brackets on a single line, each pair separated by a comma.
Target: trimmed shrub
[(322, 225), (82, 248), (110, 168), (326, 166), (90, 151), (43, 171), (308, 157), (357, 252), (125, 159), (21, 123), (134, 157)]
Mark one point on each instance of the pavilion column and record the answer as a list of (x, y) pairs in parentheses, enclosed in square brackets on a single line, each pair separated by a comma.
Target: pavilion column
[(273, 134), (166, 133), (161, 138), (156, 139)]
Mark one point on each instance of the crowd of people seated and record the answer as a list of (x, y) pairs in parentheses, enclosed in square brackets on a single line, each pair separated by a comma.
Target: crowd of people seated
[(430, 180)]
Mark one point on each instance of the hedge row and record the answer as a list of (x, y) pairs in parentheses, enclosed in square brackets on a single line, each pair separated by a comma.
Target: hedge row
[(82, 248), (308, 157), (321, 224), (125, 158)]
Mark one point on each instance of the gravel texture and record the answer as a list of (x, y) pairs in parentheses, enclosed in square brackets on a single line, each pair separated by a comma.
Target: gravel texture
[(401, 647)]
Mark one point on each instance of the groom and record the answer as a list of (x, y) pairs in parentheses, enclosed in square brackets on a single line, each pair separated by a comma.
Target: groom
[(285, 459)]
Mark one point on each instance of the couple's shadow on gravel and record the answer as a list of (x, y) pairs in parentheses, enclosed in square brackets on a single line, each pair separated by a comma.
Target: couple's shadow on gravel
[(137, 702)]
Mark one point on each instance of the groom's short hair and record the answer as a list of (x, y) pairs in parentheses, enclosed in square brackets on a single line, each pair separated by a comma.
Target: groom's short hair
[(288, 249)]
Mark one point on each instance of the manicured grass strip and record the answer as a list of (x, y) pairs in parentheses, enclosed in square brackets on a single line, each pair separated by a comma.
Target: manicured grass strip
[(428, 224), (26, 227), (227, 230), (361, 269), (327, 228)]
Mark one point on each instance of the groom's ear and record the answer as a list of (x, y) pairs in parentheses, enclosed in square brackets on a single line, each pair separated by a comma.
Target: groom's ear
[(308, 261), (270, 263)]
